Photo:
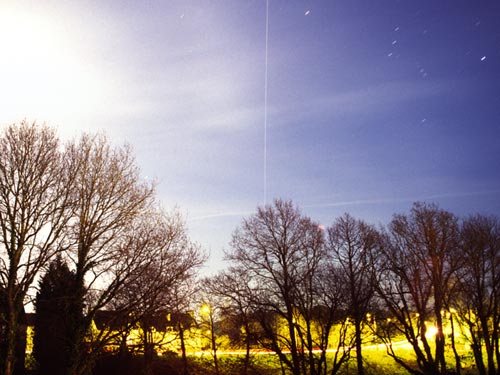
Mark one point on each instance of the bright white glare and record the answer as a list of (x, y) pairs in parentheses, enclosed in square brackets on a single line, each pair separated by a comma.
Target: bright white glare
[(431, 332), (43, 73)]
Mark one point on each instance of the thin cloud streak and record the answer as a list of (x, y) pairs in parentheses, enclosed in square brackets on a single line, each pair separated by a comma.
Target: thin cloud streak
[(219, 215), (402, 200), (356, 203), (382, 95)]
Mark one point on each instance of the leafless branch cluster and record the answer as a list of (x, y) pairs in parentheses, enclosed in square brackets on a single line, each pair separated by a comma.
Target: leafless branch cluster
[(300, 290), (85, 201)]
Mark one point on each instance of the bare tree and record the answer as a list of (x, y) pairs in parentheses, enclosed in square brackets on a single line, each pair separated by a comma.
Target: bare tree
[(279, 248), (209, 315), (183, 300), (416, 275), (478, 305), (233, 288), (33, 202), (322, 320), (351, 244), (315, 304), (332, 318), (153, 289), (106, 224)]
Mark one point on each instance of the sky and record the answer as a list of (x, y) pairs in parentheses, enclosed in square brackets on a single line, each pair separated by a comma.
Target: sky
[(341, 106)]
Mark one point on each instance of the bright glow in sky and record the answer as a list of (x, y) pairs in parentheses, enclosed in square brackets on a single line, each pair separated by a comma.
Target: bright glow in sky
[(371, 105), (42, 72)]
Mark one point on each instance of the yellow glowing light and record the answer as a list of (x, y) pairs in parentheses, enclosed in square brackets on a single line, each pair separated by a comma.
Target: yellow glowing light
[(431, 332), (205, 309)]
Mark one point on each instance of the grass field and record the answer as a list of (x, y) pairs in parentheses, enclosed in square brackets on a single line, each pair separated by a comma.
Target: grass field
[(376, 362)]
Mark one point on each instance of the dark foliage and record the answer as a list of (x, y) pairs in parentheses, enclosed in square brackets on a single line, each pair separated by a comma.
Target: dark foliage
[(57, 311), (20, 341)]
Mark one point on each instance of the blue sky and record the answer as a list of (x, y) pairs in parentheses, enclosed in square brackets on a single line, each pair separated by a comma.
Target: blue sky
[(371, 105)]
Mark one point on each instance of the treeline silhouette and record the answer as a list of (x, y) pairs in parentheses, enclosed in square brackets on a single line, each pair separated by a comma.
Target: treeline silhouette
[(79, 215), (426, 278), (84, 204)]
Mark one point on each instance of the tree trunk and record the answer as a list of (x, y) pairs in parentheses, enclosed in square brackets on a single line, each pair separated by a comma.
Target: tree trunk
[(183, 350), (13, 337), (439, 340), (477, 350), (454, 347), (359, 344), (293, 347), (149, 350), (214, 345), (247, 347), (11, 345)]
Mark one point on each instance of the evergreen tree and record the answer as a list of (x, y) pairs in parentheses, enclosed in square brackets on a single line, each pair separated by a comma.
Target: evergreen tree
[(57, 312)]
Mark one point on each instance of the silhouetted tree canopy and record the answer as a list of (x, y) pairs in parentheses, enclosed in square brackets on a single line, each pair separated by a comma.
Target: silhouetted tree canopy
[(57, 312), (114, 260), (34, 197)]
